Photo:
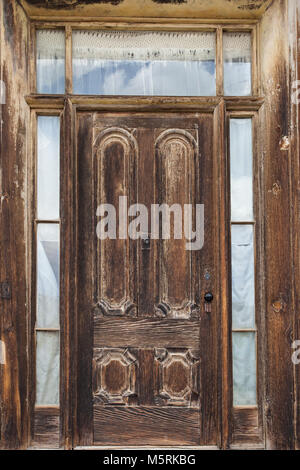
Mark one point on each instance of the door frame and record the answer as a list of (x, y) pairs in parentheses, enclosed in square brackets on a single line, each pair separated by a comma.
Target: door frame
[(221, 109), (68, 107)]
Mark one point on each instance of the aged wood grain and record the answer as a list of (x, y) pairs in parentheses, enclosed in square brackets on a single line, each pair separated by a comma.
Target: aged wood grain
[(157, 426), (86, 263), (277, 232), (134, 333), (68, 280), (15, 120), (46, 429), (168, 370), (245, 427), (149, 9), (296, 231)]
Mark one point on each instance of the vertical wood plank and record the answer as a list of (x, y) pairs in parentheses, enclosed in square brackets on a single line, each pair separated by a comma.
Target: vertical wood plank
[(86, 282), (219, 62), (68, 283), (13, 263), (222, 217), (68, 59), (279, 406)]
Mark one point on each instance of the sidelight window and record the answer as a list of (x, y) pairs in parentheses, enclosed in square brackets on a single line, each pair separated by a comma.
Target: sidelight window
[(48, 264), (242, 263)]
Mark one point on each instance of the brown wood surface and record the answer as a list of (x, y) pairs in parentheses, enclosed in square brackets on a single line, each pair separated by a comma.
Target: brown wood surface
[(15, 121), (245, 427), (278, 379), (296, 231), (132, 333), (278, 271), (46, 429), (156, 426), (150, 347)]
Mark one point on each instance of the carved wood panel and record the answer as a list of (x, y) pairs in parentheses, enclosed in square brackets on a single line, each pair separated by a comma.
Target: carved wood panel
[(116, 159), (178, 378), (114, 376), (177, 169)]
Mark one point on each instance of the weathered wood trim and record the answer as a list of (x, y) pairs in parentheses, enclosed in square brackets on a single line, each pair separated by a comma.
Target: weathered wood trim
[(174, 9), (245, 427), (219, 62), (222, 220), (68, 258), (144, 24), (279, 299), (68, 59), (46, 428), (50, 103), (294, 70), (14, 135)]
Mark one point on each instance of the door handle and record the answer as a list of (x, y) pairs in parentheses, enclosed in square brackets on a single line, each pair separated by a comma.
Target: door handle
[(208, 298)]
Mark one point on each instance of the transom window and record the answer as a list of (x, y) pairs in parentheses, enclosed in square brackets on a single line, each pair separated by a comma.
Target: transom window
[(147, 63)]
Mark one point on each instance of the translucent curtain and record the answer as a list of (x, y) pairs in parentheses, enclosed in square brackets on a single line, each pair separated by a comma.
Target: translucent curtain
[(242, 263), (50, 61), (48, 262), (237, 54), (144, 63), (241, 169), (48, 167)]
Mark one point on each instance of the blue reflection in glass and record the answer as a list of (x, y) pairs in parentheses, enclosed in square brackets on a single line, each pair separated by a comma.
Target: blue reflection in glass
[(140, 77)]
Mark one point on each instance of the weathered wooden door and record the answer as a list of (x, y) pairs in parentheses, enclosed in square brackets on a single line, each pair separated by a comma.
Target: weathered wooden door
[(147, 349)]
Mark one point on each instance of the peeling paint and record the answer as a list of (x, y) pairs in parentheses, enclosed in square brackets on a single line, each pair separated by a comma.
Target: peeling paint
[(278, 305), (276, 189), (284, 143)]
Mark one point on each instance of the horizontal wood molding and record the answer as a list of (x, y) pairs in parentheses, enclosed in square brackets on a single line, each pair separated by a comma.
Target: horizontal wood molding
[(141, 103), (133, 333), (239, 9)]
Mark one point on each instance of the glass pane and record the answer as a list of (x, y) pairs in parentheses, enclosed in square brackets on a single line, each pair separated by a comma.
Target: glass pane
[(242, 265), (241, 170), (48, 141), (48, 276), (47, 368), (50, 61), (244, 369), (237, 54), (144, 63)]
